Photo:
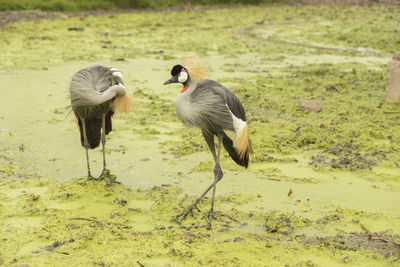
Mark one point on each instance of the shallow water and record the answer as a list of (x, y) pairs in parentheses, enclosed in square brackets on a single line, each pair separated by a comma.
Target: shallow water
[(51, 149), (163, 166)]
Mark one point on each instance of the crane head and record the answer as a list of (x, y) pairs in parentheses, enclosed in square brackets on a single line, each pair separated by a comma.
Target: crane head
[(179, 75), (117, 76)]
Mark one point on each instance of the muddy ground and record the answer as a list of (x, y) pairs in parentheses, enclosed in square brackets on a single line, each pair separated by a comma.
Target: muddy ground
[(322, 188)]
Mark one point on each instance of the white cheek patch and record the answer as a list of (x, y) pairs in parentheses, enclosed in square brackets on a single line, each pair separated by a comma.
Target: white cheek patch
[(183, 76), (116, 73)]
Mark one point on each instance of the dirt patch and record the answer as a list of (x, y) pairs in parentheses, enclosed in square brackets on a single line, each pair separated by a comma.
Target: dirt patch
[(348, 157), (381, 243), (8, 17), (311, 105), (342, 2), (283, 223), (351, 162)]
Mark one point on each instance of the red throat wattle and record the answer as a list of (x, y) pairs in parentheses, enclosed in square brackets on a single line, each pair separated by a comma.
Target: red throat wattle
[(185, 88)]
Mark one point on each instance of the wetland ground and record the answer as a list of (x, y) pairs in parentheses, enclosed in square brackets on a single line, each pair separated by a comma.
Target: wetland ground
[(322, 188)]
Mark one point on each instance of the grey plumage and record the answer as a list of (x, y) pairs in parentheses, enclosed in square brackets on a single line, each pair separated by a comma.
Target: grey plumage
[(237, 109), (211, 104), (93, 92), (208, 105), (216, 111)]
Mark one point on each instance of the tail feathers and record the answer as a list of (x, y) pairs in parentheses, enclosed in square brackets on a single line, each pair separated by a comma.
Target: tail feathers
[(242, 160), (241, 142), (122, 104), (93, 129)]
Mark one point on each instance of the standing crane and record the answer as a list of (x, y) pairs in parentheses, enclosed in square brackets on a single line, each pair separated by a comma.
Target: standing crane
[(214, 109), (97, 92)]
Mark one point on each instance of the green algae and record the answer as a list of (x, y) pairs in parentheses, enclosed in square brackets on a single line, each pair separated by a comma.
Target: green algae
[(131, 35), (340, 164), (86, 232)]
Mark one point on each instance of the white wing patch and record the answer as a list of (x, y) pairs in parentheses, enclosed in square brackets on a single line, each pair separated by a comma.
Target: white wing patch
[(238, 124), (241, 140)]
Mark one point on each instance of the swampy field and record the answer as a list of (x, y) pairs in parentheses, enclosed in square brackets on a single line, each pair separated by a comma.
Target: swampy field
[(322, 187)]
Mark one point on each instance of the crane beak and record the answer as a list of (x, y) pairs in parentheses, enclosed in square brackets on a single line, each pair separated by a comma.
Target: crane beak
[(174, 79)]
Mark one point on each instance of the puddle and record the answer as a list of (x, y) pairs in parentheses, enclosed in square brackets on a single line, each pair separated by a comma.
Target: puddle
[(142, 222), (83, 208), (24, 221), (31, 248), (141, 204), (17, 192), (391, 171)]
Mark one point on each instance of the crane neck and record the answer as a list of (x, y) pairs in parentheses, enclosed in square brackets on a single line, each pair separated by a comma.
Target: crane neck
[(185, 87), (113, 91), (188, 87), (118, 90)]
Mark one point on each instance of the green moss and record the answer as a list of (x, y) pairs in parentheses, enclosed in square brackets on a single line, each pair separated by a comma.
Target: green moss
[(340, 164), (142, 34), (204, 166), (64, 226)]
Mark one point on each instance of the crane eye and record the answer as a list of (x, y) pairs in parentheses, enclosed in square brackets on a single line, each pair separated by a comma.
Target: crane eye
[(183, 76)]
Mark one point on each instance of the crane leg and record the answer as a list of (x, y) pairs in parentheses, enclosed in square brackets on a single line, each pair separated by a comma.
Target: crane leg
[(103, 140), (86, 145), (105, 174), (218, 174)]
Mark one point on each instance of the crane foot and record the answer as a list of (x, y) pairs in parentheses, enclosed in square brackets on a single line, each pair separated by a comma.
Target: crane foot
[(106, 175), (180, 217), (90, 177), (210, 217)]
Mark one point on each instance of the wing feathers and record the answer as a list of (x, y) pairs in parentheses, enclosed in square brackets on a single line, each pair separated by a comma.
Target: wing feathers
[(241, 160)]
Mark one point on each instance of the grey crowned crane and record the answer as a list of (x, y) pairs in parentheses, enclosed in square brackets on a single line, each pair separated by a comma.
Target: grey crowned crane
[(97, 92), (214, 109)]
